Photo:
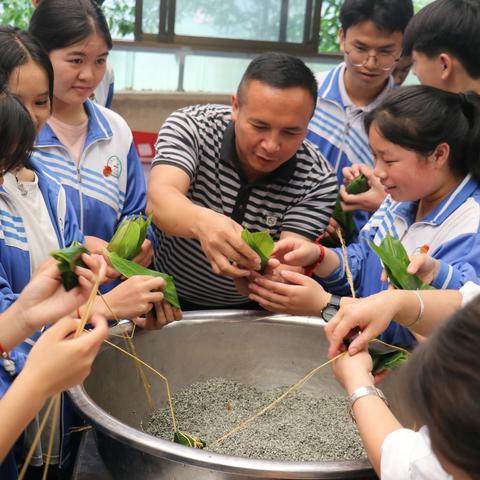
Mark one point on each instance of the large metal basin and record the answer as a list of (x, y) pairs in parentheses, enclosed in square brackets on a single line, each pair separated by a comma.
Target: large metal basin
[(241, 345)]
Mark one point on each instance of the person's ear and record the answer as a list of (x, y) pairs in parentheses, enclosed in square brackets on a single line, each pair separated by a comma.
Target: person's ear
[(440, 155), (234, 100), (341, 40), (446, 64)]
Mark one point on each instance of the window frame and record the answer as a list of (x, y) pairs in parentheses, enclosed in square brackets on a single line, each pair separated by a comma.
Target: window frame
[(166, 34)]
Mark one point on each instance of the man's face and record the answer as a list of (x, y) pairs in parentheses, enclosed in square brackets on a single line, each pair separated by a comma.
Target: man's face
[(270, 125), (367, 49)]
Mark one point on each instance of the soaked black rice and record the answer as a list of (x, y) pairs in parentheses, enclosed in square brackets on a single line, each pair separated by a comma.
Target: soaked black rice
[(300, 428)]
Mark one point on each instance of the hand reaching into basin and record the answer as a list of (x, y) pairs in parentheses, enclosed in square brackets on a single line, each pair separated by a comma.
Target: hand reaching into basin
[(373, 315)]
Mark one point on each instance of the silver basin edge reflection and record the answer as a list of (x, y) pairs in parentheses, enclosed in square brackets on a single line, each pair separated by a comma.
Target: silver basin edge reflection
[(281, 342)]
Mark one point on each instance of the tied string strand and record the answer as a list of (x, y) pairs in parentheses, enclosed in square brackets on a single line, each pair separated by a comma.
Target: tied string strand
[(55, 401)]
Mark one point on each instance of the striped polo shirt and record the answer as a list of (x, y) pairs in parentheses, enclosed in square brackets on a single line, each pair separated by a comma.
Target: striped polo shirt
[(297, 197)]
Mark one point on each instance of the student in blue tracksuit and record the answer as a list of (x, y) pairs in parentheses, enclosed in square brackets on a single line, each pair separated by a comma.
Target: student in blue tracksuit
[(35, 215), (371, 39), (426, 145), (90, 148)]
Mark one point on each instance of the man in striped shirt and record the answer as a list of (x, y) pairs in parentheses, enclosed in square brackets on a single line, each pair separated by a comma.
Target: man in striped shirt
[(219, 168)]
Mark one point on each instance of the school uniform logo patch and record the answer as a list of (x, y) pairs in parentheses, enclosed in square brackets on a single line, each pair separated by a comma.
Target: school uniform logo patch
[(113, 167)]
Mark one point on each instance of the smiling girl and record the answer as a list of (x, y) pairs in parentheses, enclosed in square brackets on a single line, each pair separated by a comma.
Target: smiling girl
[(426, 146), (35, 215), (89, 147)]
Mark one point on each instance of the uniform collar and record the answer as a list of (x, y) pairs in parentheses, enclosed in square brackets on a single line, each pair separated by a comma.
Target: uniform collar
[(408, 210), (333, 89), (98, 128), (228, 154)]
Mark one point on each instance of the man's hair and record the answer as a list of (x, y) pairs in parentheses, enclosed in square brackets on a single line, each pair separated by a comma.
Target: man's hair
[(388, 15), (447, 26), (279, 71)]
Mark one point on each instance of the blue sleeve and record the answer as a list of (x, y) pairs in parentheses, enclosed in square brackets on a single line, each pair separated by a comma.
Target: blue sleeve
[(136, 191), (71, 228), (359, 257), (7, 297), (459, 262), (108, 102)]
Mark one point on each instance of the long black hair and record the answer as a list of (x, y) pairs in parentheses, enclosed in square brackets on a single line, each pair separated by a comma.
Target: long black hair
[(60, 23), (419, 118), (17, 48), (17, 131), (442, 386)]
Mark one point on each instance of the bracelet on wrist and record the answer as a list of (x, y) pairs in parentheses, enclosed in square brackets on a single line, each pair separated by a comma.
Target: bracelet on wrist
[(421, 311), (321, 255), (363, 392)]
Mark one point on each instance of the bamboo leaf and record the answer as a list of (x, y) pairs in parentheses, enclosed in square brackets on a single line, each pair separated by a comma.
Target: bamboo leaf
[(129, 269), (345, 219), (68, 258), (388, 361), (260, 242), (188, 440), (129, 237), (395, 260)]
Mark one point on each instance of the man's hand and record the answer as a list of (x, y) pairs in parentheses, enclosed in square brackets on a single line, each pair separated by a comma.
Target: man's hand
[(162, 314), (222, 243), (145, 255)]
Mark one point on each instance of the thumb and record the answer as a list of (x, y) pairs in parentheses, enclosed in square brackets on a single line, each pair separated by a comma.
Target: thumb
[(367, 171), (63, 328), (294, 278), (415, 264)]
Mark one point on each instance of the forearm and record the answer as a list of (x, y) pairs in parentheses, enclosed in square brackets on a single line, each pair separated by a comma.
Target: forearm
[(174, 213), (374, 420), (439, 305), (13, 327), (18, 407)]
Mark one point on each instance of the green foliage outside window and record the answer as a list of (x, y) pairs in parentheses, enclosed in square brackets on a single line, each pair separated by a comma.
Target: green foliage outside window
[(121, 17)]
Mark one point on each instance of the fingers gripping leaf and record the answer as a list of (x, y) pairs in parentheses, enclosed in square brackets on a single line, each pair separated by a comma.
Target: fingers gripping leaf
[(128, 269), (345, 219), (260, 242), (68, 258), (395, 260)]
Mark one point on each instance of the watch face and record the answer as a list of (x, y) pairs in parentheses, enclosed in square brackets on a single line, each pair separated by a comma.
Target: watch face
[(329, 312)]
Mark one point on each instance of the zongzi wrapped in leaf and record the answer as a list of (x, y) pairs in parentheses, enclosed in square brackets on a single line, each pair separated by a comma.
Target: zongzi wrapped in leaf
[(129, 237), (188, 440), (260, 242), (68, 258)]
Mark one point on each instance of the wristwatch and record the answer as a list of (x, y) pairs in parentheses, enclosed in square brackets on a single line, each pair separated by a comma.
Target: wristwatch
[(331, 308), (363, 392)]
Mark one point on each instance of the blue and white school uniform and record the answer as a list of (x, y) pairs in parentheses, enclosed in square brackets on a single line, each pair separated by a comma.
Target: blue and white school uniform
[(337, 129), (108, 183), (451, 232), (18, 258)]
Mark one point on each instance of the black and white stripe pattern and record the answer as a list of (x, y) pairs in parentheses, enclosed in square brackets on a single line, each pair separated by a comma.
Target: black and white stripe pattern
[(298, 197)]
